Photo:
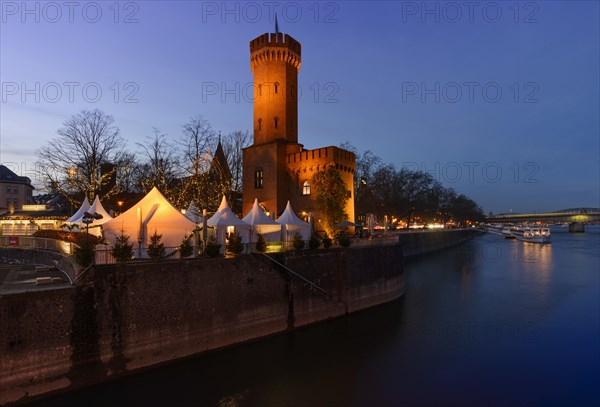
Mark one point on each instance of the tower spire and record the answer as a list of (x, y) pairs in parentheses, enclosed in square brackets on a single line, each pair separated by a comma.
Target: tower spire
[(276, 25)]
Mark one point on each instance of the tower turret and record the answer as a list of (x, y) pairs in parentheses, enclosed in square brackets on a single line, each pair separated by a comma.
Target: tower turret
[(275, 61)]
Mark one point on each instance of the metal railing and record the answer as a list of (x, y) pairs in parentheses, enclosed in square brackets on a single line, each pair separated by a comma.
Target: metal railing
[(37, 243), (298, 276)]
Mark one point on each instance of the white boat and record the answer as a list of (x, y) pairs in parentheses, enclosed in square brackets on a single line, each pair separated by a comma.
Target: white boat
[(508, 233), (494, 229), (532, 234)]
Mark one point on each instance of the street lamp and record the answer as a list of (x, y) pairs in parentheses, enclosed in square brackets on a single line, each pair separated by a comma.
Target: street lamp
[(87, 219), (90, 218)]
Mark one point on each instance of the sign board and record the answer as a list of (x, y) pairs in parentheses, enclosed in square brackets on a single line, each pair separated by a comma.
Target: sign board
[(13, 240)]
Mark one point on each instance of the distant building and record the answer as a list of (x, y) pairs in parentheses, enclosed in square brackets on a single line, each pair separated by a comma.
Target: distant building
[(15, 191), (31, 218), (276, 167)]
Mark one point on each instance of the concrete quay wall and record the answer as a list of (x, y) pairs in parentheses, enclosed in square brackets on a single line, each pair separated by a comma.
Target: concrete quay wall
[(418, 243), (120, 318)]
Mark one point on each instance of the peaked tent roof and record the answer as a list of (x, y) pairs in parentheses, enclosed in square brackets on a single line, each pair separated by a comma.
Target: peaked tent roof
[(225, 217), (96, 208), (85, 206), (288, 217), (156, 214), (223, 205), (256, 216), (193, 214)]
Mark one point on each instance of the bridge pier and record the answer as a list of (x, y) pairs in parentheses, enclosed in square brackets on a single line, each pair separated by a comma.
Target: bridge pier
[(576, 227)]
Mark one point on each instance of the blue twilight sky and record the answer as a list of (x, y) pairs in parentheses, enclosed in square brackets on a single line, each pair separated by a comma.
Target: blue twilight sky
[(499, 100)]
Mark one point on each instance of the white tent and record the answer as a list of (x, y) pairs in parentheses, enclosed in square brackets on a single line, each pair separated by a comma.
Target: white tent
[(261, 223), (151, 213), (225, 218), (94, 226), (95, 208), (193, 214), (79, 214), (292, 224)]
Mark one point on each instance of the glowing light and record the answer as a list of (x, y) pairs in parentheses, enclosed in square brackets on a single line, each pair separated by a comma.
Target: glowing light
[(435, 226)]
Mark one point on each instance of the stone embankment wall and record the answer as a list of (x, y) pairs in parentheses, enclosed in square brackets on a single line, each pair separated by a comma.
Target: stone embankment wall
[(120, 318), (418, 243)]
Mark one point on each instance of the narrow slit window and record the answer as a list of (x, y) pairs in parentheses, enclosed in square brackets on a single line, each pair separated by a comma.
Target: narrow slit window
[(258, 178)]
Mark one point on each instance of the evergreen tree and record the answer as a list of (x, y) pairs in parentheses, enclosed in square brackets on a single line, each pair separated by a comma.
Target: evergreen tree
[(185, 248), (314, 242), (84, 253), (156, 249), (122, 250), (298, 242), (235, 245), (261, 243), (212, 248)]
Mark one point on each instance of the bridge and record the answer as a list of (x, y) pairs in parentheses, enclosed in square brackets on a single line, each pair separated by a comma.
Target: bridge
[(576, 217)]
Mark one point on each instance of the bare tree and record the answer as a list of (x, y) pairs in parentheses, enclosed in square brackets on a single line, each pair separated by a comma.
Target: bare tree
[(160, 166), (367, 165), (232, 147), (85, 159), (197, 143), (128, 179)]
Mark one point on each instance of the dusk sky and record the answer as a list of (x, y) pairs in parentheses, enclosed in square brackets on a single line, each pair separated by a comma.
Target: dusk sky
[(499, 100)]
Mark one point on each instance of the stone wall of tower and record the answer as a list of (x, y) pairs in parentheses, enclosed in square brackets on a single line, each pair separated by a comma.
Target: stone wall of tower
[(275, 62), (270, 158), (303, 165)]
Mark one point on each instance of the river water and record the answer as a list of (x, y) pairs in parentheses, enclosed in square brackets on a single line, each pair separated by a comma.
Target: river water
[(493, 322)]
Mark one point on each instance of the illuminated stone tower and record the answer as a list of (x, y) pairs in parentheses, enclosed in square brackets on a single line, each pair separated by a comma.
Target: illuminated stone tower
[(275, 62), (276, 168)]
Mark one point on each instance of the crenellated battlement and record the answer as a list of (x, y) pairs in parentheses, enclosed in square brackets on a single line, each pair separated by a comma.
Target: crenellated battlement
[(275, 40), (323, 158), (275, 47)]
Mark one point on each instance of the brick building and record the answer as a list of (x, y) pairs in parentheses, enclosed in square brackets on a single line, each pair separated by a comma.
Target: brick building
[(15, 191), (276, 167)]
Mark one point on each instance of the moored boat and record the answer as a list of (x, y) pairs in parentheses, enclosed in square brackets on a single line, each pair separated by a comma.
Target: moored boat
[(532, 234), (508, 233), (494, 229)]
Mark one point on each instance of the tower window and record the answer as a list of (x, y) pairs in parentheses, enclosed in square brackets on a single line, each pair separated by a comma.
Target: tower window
[(259, 90), (259, 124), (276, 119), (306, 188), (258, 179), (276, 87)]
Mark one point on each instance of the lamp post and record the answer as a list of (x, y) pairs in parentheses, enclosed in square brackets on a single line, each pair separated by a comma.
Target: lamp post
[(87, 219), (120, 205), (71, 172)]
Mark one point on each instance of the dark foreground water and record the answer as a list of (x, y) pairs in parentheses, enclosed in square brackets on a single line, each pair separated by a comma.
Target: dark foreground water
[(492, 323)]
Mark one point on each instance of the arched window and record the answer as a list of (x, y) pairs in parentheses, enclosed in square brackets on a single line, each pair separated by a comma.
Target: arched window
[(306, 188), (276, 87), (276, 119), (259, 124), (259, 92)]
